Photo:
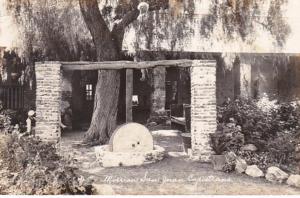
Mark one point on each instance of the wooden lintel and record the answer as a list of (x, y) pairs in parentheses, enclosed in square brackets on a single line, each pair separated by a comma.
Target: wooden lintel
[(124, 64)]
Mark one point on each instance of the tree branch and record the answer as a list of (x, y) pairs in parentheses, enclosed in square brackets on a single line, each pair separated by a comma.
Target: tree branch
[(118, 30), (99, 30), (112, 40), (128, 19), (133, 14)]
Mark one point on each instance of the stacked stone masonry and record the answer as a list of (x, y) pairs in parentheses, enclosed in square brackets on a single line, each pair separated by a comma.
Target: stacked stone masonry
[(159, 93), (48, 99), (203, 107), (245, 80)]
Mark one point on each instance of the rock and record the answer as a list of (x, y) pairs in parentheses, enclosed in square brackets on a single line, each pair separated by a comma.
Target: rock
[(249, 147), (241, 165), (294, 180), (276, 175), (254, 171)]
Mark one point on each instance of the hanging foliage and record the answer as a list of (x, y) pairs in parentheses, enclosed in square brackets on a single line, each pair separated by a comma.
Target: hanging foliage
[(239, 18)]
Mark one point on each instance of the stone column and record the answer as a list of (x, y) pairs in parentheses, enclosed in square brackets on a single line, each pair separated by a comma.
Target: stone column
[(245, 80), (48, 99), (159, 93), (203, 107)]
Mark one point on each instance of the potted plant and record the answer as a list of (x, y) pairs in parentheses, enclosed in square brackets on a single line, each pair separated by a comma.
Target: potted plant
[(219, 145)]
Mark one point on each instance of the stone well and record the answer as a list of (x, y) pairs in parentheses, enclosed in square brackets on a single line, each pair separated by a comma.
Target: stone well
[(130, 145)]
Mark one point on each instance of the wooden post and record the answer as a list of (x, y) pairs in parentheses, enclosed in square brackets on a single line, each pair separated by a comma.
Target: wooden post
[(129, 91), (179, 88)]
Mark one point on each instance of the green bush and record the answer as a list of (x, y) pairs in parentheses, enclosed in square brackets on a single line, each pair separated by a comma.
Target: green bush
[(227, 138), (274, 132), (262, 159), (286, 117), (282, 148), (257, 125), (38, 169)]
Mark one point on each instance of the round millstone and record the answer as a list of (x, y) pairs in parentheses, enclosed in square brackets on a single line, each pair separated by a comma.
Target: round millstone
[(131, 137)]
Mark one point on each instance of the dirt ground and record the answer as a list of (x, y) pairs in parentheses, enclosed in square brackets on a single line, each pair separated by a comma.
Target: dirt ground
[(176, 174)]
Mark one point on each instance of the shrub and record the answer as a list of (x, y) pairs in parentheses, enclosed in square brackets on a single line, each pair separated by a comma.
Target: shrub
[(255, 124), (282, 148), (227, 138), (5, 123), (273, 128), (39, 169), (286, 117), (262, 159), (230, 162), (218, 143), (267, 105)]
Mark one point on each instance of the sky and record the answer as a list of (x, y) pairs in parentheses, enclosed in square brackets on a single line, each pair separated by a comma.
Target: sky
[(9, 36)]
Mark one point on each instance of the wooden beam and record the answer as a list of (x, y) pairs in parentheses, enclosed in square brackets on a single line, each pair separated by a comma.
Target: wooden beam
[(125, 64), (129, 91)]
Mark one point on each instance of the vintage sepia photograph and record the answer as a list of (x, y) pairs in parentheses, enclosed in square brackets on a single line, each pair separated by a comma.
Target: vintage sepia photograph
[(149, 97)]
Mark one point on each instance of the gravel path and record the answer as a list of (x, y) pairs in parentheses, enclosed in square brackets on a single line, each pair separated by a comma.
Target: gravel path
[(176, 174)]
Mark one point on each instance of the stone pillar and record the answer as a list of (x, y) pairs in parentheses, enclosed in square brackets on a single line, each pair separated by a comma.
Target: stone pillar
[(159, 93), (48, 99), (203, 107), (245, 80)]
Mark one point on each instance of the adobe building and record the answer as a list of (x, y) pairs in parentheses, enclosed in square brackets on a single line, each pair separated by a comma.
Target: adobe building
[(207, 85), (276, 75)]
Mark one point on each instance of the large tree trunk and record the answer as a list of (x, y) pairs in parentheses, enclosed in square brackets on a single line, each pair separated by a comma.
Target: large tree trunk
[(108, 46), (105, 107), (107, 88)]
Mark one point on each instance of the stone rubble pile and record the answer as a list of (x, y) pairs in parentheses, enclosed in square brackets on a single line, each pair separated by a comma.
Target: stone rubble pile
[(273, 174)]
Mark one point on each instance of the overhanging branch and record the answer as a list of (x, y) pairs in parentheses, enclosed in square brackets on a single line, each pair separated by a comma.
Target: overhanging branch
[(133, 14), (98, 28), (118, 30)]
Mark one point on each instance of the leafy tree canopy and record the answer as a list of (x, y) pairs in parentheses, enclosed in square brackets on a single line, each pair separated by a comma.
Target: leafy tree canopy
[(58, 31)]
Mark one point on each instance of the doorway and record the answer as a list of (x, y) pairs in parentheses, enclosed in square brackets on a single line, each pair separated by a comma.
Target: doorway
[(83, 86), (141, 98)]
